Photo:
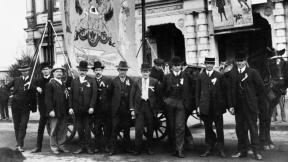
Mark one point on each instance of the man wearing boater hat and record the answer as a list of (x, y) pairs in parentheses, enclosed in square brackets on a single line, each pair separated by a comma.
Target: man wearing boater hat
[(246, 88), (210, 102), (57, 110), (40, 85), (102, 115), (21, 104), (144, 101), (121, 115), (82, 99), (177, 97)]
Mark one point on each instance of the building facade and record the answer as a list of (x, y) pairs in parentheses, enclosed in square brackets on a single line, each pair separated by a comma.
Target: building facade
[(184, 28)]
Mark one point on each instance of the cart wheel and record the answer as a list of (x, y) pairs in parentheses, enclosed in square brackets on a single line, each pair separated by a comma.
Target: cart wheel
[(160, 127), (71, 128)]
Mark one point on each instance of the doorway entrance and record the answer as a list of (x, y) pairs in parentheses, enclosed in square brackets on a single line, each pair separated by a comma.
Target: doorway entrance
[(169, 41)]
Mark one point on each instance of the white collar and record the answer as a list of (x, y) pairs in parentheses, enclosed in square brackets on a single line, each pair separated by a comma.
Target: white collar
[(25, 78), (58, 80), (176, 73), (242, 70), (46, 77), (209, 72), (122, 79)]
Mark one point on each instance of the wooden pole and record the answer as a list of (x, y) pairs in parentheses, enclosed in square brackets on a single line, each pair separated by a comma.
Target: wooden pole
[(50, 41), (145, 57)]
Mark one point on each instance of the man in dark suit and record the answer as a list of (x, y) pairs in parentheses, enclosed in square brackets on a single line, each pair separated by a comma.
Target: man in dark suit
[(82, 98), (40, 85), (121, 115), (57, 108), (102, 115), (177, 97), (246, 88), (4, 97), (210, 102), (21, 104), (143, 99), (157, 71)]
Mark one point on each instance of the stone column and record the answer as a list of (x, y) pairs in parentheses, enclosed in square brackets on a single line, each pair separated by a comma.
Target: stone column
[(203, 37), (280, 26), (190, 39)]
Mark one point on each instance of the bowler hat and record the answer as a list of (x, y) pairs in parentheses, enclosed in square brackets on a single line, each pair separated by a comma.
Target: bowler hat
[(83, 66), (240, 56), (158, 62), (44, 65), (176, 61), (98, 65), (209, 60), (122, 65), (145, 67), (24, 67)]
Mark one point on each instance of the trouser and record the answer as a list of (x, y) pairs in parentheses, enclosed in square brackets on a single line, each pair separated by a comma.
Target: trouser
[(83, 128), (43, 121), (144, 117), (4, 109), (176, 122), (282, 109), (246, 120), (20, 120), (121, 120), (58, 133), (210, 137)]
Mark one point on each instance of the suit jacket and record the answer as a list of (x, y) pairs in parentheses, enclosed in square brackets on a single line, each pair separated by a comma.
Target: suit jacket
[(186, 92), (41, 82), (116, 93), (250, 84), (209, 94), (89, 95), (55, 98), (136, 93), (4, 94), (22, 96), (103, 102)]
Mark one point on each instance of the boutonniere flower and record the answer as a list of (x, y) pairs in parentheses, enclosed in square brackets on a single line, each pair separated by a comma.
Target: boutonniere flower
[(181, 81), (245, 77), (127, 83), (213, 81), (102, 84), (88, 84), (152, 88)]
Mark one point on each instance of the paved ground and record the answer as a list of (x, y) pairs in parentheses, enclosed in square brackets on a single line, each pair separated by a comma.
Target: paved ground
[(279, 136)]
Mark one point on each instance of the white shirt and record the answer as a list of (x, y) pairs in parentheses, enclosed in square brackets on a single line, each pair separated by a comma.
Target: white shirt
[(176, 73), (58, 80), (122, 79), (242, 70), (25, 78), (209, 73), (82, 78), (46, 77), (145, 86)]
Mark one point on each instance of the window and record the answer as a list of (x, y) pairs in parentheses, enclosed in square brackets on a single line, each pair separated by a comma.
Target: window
[(56, 4)]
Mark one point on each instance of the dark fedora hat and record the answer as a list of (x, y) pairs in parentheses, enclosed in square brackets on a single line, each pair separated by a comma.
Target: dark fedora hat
[(145, 67), (83, 66), (158, 62), (98, 65), (24, 67), (240, 56), (176, 61), (123, 65), (44, 65), (209, 60)]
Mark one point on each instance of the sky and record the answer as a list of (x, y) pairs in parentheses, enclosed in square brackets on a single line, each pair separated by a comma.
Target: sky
[(12, 34)]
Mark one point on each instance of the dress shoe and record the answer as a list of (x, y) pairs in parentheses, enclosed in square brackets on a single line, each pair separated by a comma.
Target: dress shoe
[(180, 154), (106, 149), (112, 152), (56, 152), (64, 150), (150, 152), (90, 151), (222, 154), (206, 153), (136, 153), (258, 156), (19, 148), (249, 152), (239, 155), (96, 150), (35, 150), (129, 151), (81, 150)]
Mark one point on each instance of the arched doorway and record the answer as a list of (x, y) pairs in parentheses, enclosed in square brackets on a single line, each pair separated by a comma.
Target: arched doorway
[(253, 40), (169, 41)]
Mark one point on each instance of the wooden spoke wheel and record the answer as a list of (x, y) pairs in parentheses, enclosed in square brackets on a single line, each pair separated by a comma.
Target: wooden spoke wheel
[(159, 127)]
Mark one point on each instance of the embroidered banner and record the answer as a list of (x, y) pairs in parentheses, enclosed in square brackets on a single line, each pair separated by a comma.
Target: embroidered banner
[(101, 30)]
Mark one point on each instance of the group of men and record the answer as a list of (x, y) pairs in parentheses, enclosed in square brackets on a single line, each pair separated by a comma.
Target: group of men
[(110, 104)]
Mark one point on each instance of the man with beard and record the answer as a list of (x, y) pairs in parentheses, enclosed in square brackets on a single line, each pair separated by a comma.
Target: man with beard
[(56, 103), (82, 99), (177, 97), (102, 115), (121, 115), (40, 85), (21, 104), (246, 88)]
